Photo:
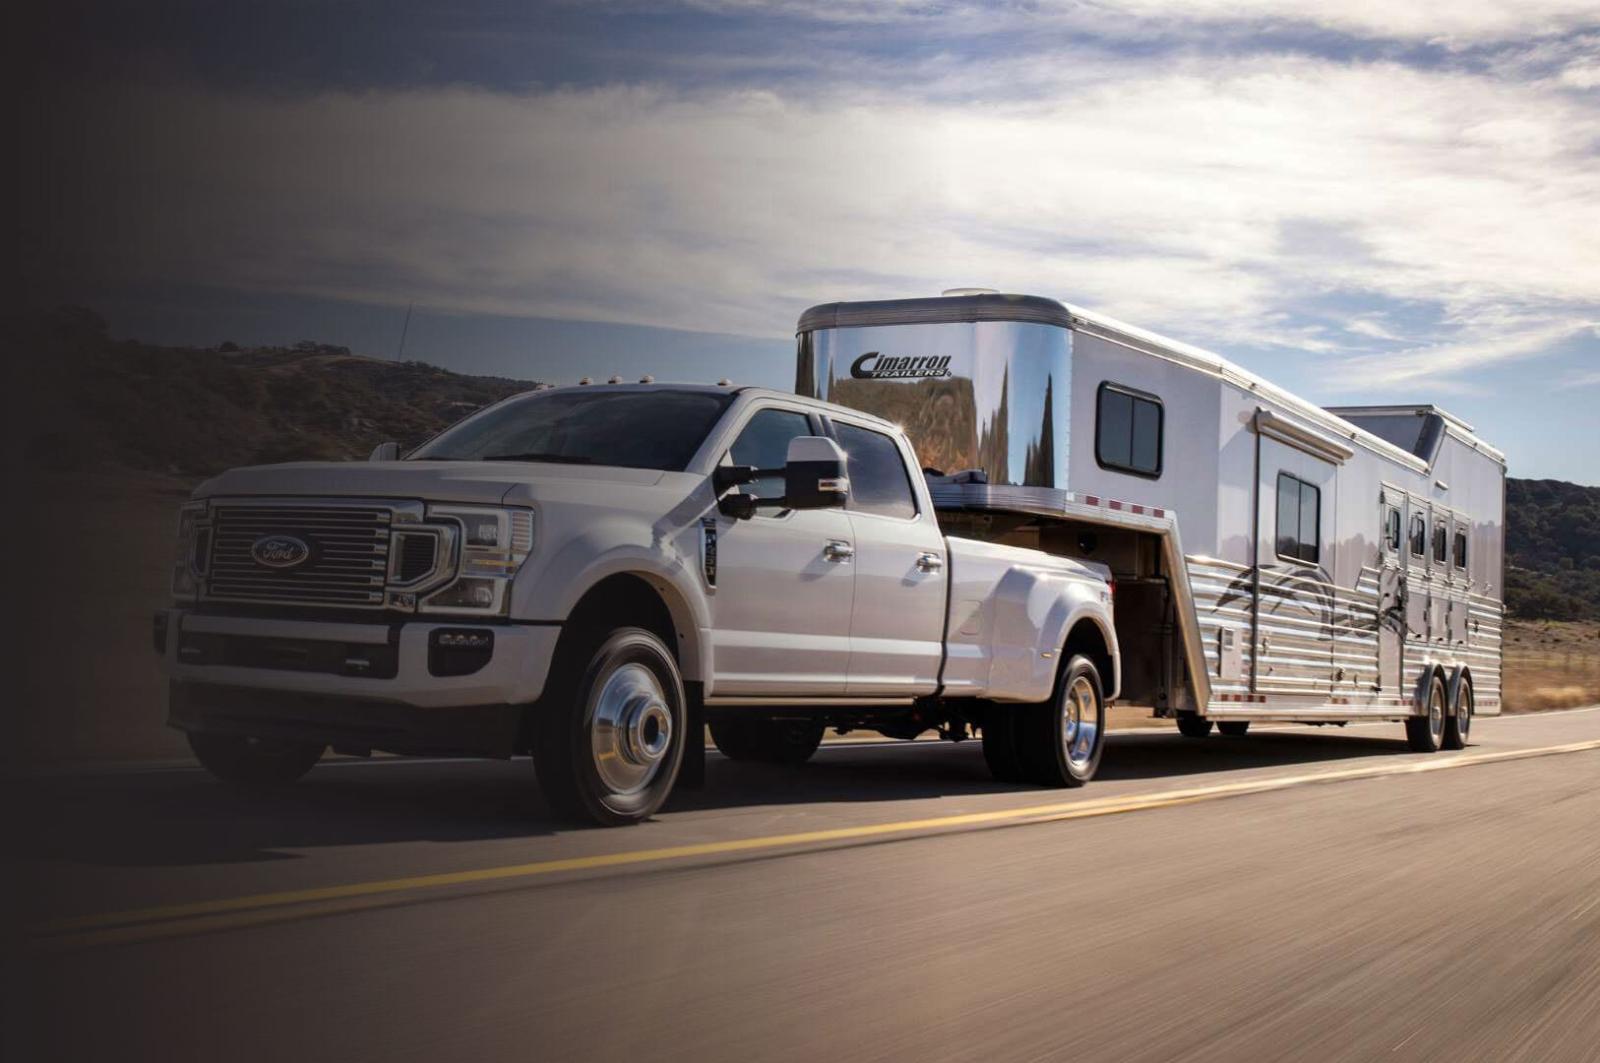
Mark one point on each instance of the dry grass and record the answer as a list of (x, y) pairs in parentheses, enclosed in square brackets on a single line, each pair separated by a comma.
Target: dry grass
[(1551, 665)]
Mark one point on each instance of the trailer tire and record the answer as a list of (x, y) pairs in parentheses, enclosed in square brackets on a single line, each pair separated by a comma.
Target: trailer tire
[(1458, 725), (253, 761), (1061, 740), (1193, 725), (609, 739), (768, 741), (1425, 733), (1000, 743), (1233, 728)]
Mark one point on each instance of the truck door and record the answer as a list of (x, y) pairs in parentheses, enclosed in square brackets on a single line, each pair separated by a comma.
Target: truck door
[(1391, 590), (785, 580), (897, 624)]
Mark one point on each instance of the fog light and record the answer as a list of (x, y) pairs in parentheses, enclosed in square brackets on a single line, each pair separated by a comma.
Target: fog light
[(459, 651)]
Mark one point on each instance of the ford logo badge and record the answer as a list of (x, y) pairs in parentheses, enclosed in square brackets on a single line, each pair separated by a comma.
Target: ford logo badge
[(279, 551)]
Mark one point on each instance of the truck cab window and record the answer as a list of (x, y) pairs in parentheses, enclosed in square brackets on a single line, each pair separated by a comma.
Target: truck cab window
[(764, 443), (878, 479), (1299, 519), (1128, 428)]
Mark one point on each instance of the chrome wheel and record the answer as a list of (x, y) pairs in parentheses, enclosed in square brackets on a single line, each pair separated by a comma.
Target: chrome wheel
[(1080, 722), (630, 732)]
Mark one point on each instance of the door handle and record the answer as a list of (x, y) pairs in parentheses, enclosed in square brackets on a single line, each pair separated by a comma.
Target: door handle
[(838, 551), (929, 562)]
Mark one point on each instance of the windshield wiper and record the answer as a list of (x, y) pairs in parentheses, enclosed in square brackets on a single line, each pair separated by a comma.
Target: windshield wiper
[(534, 455)]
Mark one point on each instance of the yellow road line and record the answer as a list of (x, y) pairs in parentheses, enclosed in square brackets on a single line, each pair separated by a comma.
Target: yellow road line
[(231, 912)]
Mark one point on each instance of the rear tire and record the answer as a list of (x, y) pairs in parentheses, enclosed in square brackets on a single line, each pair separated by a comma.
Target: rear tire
[(253, 761), (610, 737), (1233, 728), (1061, 740), (1193, 725), (767, 741), (1458, 726), (1000, 743), (1425, 733)]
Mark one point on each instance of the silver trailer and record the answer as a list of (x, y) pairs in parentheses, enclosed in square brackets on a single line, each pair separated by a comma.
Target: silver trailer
[(1275, 560)]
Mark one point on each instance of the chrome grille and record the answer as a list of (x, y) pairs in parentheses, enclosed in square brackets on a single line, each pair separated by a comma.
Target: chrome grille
[(347, 563)]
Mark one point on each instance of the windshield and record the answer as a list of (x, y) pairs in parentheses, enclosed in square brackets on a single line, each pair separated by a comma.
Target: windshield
[(655, 429)]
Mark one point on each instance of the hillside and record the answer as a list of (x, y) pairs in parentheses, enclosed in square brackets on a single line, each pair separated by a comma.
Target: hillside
[(1553, 549), (85, 401)]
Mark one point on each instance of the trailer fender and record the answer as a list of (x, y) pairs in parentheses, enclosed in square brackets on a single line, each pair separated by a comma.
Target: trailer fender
[(1419, 696)]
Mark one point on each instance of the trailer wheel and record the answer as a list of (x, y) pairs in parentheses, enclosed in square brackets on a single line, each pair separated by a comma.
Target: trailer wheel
[(1061, 739), (253, 761), (1458, 726), (1233, 728), (768, 741), (1425, 733), (609, 740), (1000, 743), (1193, 725)]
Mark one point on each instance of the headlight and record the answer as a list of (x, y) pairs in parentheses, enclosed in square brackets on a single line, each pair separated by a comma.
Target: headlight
[(189, 556), (494, 544)]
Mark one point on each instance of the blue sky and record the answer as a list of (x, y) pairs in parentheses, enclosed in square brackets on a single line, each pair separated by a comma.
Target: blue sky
[(1365, 203)]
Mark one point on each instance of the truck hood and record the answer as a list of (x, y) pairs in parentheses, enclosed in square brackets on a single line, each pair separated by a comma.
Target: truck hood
[(482, 482)]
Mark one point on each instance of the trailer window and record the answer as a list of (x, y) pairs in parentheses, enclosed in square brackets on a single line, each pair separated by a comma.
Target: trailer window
[(1299, 519), (1391, 530), (1461, 549), (878, 479), (1128, 431), (1441, 544), (1419, 536)]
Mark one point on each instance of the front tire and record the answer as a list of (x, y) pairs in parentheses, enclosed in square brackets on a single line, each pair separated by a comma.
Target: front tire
[(767, 741), (1458, 726), (1061, 740), (610, 739), (253, 761), (1425, 733)]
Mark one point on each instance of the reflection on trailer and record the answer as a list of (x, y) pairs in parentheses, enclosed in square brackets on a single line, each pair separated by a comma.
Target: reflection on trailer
[(1333, 564)]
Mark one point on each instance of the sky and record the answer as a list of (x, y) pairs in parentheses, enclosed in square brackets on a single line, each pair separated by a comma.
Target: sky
[(1361, 202)]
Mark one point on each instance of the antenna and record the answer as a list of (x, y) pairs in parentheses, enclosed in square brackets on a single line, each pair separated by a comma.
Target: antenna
[(403, 330)]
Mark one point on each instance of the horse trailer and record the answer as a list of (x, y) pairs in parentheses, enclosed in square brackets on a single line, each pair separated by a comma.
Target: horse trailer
[(1274, 560)]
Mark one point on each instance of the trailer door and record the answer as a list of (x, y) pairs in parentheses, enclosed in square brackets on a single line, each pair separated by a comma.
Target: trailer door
[(1391, 608)]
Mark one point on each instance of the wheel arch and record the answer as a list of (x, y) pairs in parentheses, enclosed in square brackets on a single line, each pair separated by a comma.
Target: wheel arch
[(639, 599), (1088, 636), (1419, 697)]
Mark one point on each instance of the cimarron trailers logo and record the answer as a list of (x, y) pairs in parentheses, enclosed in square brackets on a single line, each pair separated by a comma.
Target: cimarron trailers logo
[(874, 366)]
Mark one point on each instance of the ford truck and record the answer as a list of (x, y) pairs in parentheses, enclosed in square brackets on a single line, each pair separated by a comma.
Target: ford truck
[(594, 574)]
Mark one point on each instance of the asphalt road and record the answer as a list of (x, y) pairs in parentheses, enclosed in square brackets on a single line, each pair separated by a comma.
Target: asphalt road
[(1311, 894)]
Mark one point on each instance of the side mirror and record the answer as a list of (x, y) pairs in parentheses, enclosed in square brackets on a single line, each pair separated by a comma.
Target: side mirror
[(385, 452), (814, 474)]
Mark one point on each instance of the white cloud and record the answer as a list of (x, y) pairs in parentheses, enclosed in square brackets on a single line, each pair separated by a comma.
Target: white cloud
[(1206, 200), (1457, 22)]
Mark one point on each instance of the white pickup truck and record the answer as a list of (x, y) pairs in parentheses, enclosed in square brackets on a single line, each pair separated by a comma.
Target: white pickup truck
[(594, 573)]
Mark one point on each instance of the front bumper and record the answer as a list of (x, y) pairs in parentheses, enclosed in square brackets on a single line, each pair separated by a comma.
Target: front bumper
[(281, 652), (355, 686)]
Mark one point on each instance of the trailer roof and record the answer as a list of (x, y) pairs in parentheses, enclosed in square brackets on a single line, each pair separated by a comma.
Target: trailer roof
[(1040, 310)]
